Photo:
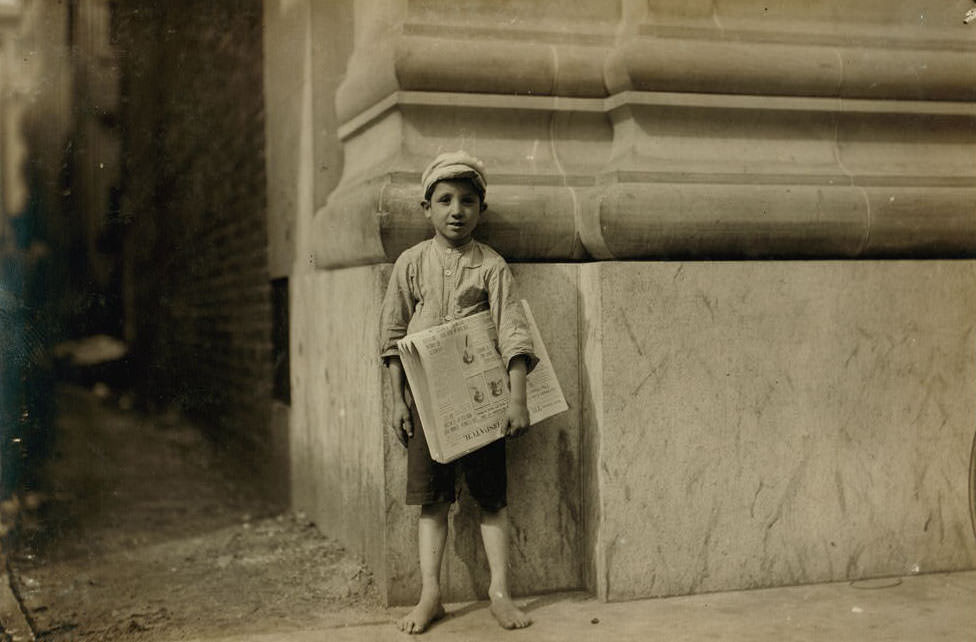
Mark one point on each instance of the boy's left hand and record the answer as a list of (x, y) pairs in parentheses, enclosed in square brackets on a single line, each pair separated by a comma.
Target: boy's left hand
[(518, 418)]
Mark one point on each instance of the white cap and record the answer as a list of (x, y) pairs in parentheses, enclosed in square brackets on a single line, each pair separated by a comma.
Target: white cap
[(451, 165)]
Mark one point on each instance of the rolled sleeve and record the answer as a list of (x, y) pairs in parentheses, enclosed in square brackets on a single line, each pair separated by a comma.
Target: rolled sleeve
[(514, 336)]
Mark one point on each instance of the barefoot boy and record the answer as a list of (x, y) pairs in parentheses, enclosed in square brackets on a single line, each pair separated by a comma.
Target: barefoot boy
[(447, 277)]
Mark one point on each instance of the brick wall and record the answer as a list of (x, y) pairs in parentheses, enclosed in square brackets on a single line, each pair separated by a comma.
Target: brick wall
[(197, 288)]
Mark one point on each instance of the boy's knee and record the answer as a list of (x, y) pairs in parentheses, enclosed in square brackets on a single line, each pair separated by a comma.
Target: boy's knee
[(435, 510), (491, 509)]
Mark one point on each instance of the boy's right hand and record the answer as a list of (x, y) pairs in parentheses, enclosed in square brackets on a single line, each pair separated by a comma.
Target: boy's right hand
[(401, 423)]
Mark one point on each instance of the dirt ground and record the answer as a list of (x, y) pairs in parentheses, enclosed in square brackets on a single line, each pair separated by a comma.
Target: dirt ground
[(141, 533)]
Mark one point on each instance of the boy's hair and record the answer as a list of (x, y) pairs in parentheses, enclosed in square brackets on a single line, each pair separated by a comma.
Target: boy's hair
[(454, 166)]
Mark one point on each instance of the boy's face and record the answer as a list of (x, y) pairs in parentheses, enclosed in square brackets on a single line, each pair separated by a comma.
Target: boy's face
[(454, 209)]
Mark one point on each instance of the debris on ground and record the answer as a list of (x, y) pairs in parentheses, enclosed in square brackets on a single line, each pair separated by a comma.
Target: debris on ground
[(139, 533)]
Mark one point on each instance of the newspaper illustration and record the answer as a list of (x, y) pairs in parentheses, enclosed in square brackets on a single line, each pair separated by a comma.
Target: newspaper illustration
[(460, 385)]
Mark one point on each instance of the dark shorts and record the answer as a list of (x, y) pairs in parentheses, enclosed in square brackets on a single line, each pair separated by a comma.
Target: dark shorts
[(429, 482)]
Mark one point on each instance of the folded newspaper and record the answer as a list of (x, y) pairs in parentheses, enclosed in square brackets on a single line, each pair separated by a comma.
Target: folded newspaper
[(460, 385)]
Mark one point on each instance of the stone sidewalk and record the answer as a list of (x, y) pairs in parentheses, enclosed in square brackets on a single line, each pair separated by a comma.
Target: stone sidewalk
[(923, 607)]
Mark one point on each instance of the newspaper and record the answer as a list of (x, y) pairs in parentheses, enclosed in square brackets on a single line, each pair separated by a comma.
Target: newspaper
[(460, 385)]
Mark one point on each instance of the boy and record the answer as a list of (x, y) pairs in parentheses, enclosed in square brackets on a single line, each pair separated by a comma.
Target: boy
[(447, 277)]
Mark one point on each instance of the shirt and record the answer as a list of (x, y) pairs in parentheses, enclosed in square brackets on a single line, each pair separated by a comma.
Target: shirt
[(431, 285)]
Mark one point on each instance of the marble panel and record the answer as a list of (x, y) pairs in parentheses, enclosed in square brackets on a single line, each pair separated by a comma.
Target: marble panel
[(337, 435), (348, 471), (768, 423)]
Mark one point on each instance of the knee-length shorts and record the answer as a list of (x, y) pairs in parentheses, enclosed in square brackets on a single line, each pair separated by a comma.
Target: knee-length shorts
[(430, 482)]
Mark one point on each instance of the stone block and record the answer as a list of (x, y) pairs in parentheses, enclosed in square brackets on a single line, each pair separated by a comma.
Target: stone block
[(348, 471), (332, 29), (877, 50), (768, 423), (374, 213), (337, 435), (431, 45), (714, 177), (287, 103)]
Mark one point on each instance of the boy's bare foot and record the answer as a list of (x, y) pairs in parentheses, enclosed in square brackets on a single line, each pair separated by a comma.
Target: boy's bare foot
[(422, 615), (508, 615)]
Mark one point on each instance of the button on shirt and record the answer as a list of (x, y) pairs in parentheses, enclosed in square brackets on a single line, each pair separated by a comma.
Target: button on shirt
[(431, 285)]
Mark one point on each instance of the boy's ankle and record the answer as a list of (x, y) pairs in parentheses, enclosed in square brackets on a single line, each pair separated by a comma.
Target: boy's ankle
[(430, 593)]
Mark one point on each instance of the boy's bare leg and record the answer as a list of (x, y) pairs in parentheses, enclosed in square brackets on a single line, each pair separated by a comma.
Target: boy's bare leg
[(494, 533), (432, 533)]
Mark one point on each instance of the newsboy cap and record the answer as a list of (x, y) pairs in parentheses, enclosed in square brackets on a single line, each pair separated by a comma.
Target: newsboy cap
[(453, 165)]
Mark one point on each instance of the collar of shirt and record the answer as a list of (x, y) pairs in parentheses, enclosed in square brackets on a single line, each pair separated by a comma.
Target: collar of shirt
[(468, 255)]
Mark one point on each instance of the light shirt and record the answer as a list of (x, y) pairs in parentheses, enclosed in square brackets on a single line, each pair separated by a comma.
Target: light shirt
[(432, 284)]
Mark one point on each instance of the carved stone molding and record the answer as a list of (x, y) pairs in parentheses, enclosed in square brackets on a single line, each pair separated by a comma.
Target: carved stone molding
[(663, 130), (516, 47)]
